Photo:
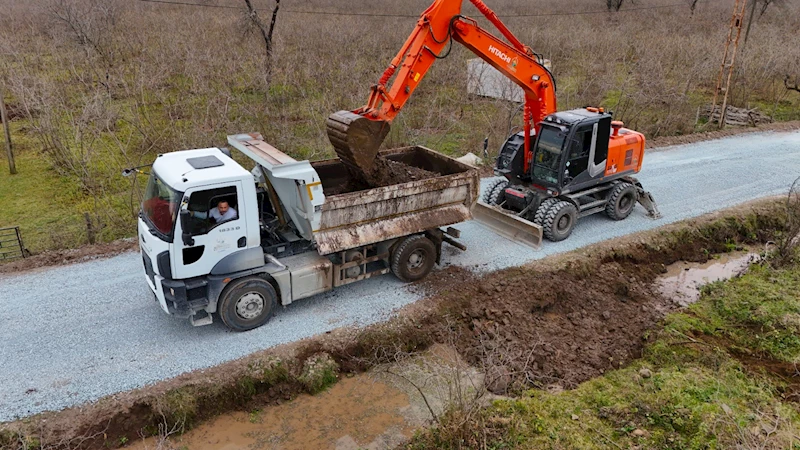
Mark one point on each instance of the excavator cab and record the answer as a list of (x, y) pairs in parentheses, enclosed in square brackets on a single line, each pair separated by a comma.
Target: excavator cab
[(569, 153)]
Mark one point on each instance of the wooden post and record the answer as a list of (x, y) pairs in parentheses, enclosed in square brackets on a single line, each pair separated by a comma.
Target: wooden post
[(90, 231), (4, 116)]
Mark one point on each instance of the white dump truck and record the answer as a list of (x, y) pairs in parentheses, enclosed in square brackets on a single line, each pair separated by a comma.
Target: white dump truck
[(217, 239)]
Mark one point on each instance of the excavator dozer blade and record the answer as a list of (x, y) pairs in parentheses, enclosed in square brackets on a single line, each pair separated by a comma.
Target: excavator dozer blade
[(356, 139), (508, 225)]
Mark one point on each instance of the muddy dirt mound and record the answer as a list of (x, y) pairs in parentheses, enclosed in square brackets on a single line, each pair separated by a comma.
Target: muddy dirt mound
[(530, 328), (70, 256)]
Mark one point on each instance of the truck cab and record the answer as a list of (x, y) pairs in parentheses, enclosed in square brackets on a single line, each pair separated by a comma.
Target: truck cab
[(182, 244)]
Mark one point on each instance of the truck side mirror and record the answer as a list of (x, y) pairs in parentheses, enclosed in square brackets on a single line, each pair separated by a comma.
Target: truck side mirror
[(188, 240)]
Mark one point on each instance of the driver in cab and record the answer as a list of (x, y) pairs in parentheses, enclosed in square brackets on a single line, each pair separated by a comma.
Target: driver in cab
[(221, 213)]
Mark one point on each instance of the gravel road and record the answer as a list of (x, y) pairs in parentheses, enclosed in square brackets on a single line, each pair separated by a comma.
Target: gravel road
[(74, 334)]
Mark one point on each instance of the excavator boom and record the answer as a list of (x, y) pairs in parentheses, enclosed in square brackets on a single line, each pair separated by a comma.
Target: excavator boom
[(357, 135)]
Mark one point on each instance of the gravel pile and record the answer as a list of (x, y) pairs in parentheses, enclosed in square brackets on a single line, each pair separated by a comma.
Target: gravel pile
[(74, 334)]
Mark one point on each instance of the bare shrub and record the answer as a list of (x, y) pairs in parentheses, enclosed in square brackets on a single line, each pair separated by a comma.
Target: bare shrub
[(170, 77), (789, 242)]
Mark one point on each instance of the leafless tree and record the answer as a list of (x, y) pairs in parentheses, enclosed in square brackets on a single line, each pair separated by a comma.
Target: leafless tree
[(765, 5), (266, 31), (789, 242), (90, 22), (693, 5), (615, 5), (762, 6)]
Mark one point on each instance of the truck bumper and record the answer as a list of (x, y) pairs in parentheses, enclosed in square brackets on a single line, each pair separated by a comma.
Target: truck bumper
[(186, 299)]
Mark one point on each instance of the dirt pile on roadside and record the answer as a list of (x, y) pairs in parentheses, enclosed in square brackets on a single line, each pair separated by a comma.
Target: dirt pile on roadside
[(530, 328), (70, 256)]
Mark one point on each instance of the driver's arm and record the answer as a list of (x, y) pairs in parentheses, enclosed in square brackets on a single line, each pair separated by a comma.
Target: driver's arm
[(198, 214)]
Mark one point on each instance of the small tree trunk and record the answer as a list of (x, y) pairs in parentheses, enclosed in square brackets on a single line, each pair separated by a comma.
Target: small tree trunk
[(12, 167), (791, 87), (693, 6), (753, 4), (90, 231), (266, 32)]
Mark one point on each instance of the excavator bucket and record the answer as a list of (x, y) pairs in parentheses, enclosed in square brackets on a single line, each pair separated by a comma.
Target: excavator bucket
[(356, 139), (508, 225)]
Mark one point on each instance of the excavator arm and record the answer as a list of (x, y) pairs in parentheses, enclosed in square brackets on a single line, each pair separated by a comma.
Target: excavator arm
[(357, 135)]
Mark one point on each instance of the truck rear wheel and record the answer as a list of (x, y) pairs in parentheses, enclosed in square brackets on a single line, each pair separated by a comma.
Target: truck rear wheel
[(413, 258), (621, 201), (247, 303), (560, 221)]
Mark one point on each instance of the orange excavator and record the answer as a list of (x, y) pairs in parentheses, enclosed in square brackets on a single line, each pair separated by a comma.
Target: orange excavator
[(561, 166)]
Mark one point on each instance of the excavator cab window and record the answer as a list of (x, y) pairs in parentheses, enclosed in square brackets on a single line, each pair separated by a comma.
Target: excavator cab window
[(579, 149), (547, 157)]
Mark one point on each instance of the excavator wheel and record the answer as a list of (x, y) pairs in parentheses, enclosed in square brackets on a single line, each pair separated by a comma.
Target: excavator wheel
[(621, 201), (560, 221), (541, 212), (494, 193)]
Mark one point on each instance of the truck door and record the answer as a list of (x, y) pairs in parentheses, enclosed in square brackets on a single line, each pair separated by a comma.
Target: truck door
[(216, 226)]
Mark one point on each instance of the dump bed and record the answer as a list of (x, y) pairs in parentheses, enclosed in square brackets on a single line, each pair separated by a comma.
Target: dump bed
[(352, 217)]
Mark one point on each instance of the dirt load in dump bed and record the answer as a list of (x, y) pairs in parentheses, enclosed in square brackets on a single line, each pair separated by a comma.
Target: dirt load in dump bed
[(392, 166), (425, 190)]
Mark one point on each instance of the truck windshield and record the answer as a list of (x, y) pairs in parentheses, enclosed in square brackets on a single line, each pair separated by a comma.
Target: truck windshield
[(160, 206), (547, 159)]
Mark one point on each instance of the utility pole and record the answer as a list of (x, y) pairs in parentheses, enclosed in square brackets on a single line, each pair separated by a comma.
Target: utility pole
[(11, 166)]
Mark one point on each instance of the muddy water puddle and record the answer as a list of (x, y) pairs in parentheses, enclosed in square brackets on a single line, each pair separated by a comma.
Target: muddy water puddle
[(683, 280), (366, 411)]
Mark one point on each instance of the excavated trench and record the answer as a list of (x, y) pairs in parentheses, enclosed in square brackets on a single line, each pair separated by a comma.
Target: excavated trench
[(377, 410)]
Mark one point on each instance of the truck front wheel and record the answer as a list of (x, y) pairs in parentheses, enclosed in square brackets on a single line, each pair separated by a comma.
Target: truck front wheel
[(247, 303), (413, 258)]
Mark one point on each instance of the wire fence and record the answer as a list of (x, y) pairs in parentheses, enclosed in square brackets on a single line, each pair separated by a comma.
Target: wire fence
[(11, 246)]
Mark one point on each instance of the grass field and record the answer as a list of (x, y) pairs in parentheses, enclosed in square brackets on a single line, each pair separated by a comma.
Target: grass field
[(98, 85)]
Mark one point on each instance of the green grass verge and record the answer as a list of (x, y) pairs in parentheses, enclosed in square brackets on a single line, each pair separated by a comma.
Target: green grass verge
[(37, 199), (688, 391)]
